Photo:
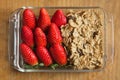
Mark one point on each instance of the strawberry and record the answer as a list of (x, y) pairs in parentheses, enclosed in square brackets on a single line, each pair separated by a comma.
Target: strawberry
[(59, 18), (40, 37), (28, 55), (29, 18), (27, 36), (58, 53), (44, 55), (44, 19), (54, 35)]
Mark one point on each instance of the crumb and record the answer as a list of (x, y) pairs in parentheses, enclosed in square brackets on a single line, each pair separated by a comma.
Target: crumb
[(83, 39)]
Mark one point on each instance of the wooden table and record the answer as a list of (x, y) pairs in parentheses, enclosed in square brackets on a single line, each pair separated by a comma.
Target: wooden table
[(112, 72)]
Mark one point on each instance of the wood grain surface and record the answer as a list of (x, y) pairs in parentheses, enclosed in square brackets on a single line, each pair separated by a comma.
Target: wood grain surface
[(111, 72)]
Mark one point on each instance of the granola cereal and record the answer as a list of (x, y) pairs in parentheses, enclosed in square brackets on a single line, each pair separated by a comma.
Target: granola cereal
[(83, 39)]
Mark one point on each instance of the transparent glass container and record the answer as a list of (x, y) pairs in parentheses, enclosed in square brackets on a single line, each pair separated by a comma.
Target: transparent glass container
[(14, 39)]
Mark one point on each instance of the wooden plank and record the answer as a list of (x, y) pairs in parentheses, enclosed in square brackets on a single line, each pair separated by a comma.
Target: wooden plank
[(7, 73)]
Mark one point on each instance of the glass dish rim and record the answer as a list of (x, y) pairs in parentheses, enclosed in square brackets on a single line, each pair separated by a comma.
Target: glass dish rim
[(72, 70)]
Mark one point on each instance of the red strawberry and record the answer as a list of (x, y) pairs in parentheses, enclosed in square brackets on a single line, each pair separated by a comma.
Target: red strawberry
[(44, 55), (27, 36), (28, 55), (59, 18), (59, 54), (29, 18), (54, 35), (40, 37), (44, 19)]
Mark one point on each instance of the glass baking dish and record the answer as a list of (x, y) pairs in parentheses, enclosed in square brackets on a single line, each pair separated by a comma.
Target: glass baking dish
[(14, 39)]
